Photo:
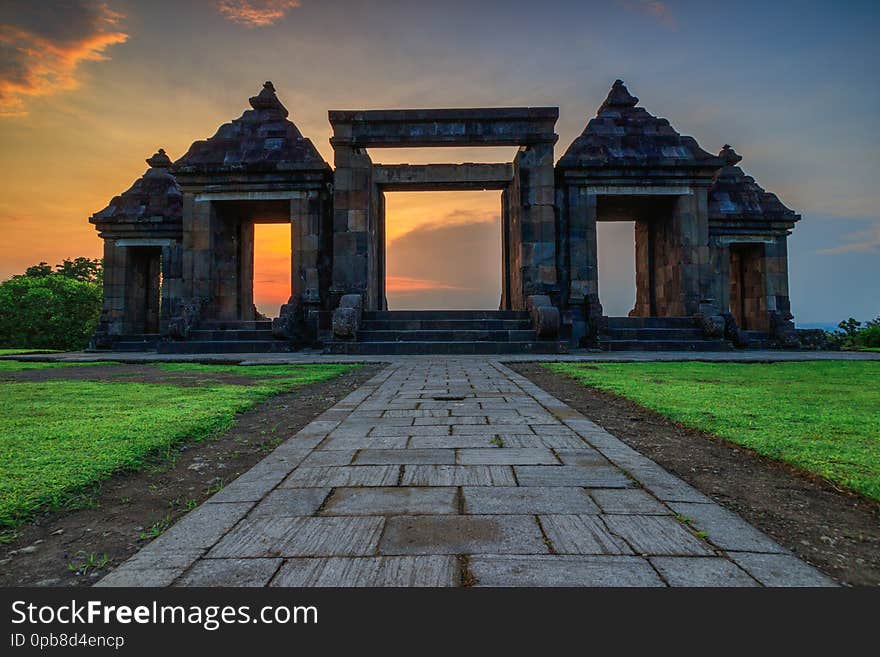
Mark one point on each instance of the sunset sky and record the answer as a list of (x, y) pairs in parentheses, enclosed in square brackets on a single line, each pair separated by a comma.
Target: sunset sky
[(90, 89)]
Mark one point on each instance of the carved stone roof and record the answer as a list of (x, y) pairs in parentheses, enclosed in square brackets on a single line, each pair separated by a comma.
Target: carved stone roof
[(151, 207), (261, 139), (623, 135), (738, 204)]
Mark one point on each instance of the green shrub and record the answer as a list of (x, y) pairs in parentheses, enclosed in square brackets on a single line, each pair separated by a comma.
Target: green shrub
[(50, 311), (869, 337)]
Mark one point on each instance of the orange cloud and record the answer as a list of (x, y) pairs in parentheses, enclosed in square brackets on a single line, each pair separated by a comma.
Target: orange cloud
[(255, 13), (43, 45), (408, 284)]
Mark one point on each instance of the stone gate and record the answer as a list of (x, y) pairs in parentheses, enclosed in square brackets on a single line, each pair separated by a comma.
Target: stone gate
[(709, 242)]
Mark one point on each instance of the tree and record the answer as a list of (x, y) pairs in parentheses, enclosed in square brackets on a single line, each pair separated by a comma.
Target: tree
[(85, 270), (82, 269), (48, 311), (38, 271)]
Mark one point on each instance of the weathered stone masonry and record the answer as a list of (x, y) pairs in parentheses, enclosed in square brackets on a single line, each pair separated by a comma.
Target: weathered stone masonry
[(709, 242)]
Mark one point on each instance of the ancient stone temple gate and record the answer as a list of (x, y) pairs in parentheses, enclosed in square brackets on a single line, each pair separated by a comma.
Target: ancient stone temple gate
[(709, 243)]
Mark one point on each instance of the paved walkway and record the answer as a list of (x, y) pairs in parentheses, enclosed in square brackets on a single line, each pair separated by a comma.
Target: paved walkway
[(450, 472)]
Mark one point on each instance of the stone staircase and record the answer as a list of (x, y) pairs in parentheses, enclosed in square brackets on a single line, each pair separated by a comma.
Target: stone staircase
[(657, 334), (445, 332), (227, 337), (138, 342)]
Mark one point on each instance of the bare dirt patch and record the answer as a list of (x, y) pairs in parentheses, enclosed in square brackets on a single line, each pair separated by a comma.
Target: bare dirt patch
[(837, 531), (119, 517), (113, 373)]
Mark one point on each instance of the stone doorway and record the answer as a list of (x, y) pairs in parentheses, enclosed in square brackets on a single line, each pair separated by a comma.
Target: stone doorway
[(658, 279), (233, 248), (747, 287), (272, 270), (528, 215), (442, 251), (143, 290)]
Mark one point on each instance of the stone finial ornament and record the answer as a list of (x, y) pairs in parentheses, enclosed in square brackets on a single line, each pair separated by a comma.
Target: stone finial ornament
[(159, 160), (731, 157), (267, 100), (619, 97)]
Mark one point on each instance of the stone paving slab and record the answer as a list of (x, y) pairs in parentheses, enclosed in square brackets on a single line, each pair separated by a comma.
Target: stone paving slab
[(562, 570), (509, 456), (522, 500), (399, 500), (231, 572), (655, 535), (463, 535), (457, 475), (581, 534), (299, 537), (405, 457), (452, 471), (419, 571), (597, 476), (701, 571)]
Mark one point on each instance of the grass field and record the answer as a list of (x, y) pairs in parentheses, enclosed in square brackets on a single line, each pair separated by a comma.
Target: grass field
[(58, 438), (823, 417), (21, 352)]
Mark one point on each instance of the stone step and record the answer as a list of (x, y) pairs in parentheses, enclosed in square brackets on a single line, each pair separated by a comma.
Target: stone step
[(235, 325), (458, 348), (446, 324), (473, 335), (223, 346), (134, 345), (651, 322), (231, 334), (664, 345), (443, 314), (654, 334)]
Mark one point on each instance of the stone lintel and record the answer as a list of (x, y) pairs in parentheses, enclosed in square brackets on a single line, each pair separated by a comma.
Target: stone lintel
[(638, 190), (497, 126), (442, 177), (144, 241), (273, 195)]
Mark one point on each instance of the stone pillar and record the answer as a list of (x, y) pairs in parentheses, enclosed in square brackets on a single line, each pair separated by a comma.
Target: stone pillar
[(115, 266), (645, 268), (172, 284), (505, 250), (352, 227), (536, 234), (198, 221), (681, 257), (583, 246), (776, 277), (243, 260)]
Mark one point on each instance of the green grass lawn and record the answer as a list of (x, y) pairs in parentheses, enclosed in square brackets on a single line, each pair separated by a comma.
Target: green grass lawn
[(21, 352), (823, 417), (58, 438)]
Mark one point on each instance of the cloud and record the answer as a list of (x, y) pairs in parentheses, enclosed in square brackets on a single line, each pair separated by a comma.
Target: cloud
[(447, 266), (409, 284), (653, 8), (255, 13), (862, 241), (42, 45)]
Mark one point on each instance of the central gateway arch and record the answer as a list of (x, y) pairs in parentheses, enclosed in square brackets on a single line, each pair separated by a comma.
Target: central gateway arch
[(527, 191)]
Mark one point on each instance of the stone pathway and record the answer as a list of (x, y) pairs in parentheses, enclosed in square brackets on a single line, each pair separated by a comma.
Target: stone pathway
[(451, 472)]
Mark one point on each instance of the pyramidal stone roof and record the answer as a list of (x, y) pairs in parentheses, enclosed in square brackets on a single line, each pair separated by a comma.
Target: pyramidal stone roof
[(736, 199), (261, 139), (153, 204), (624, 135)]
